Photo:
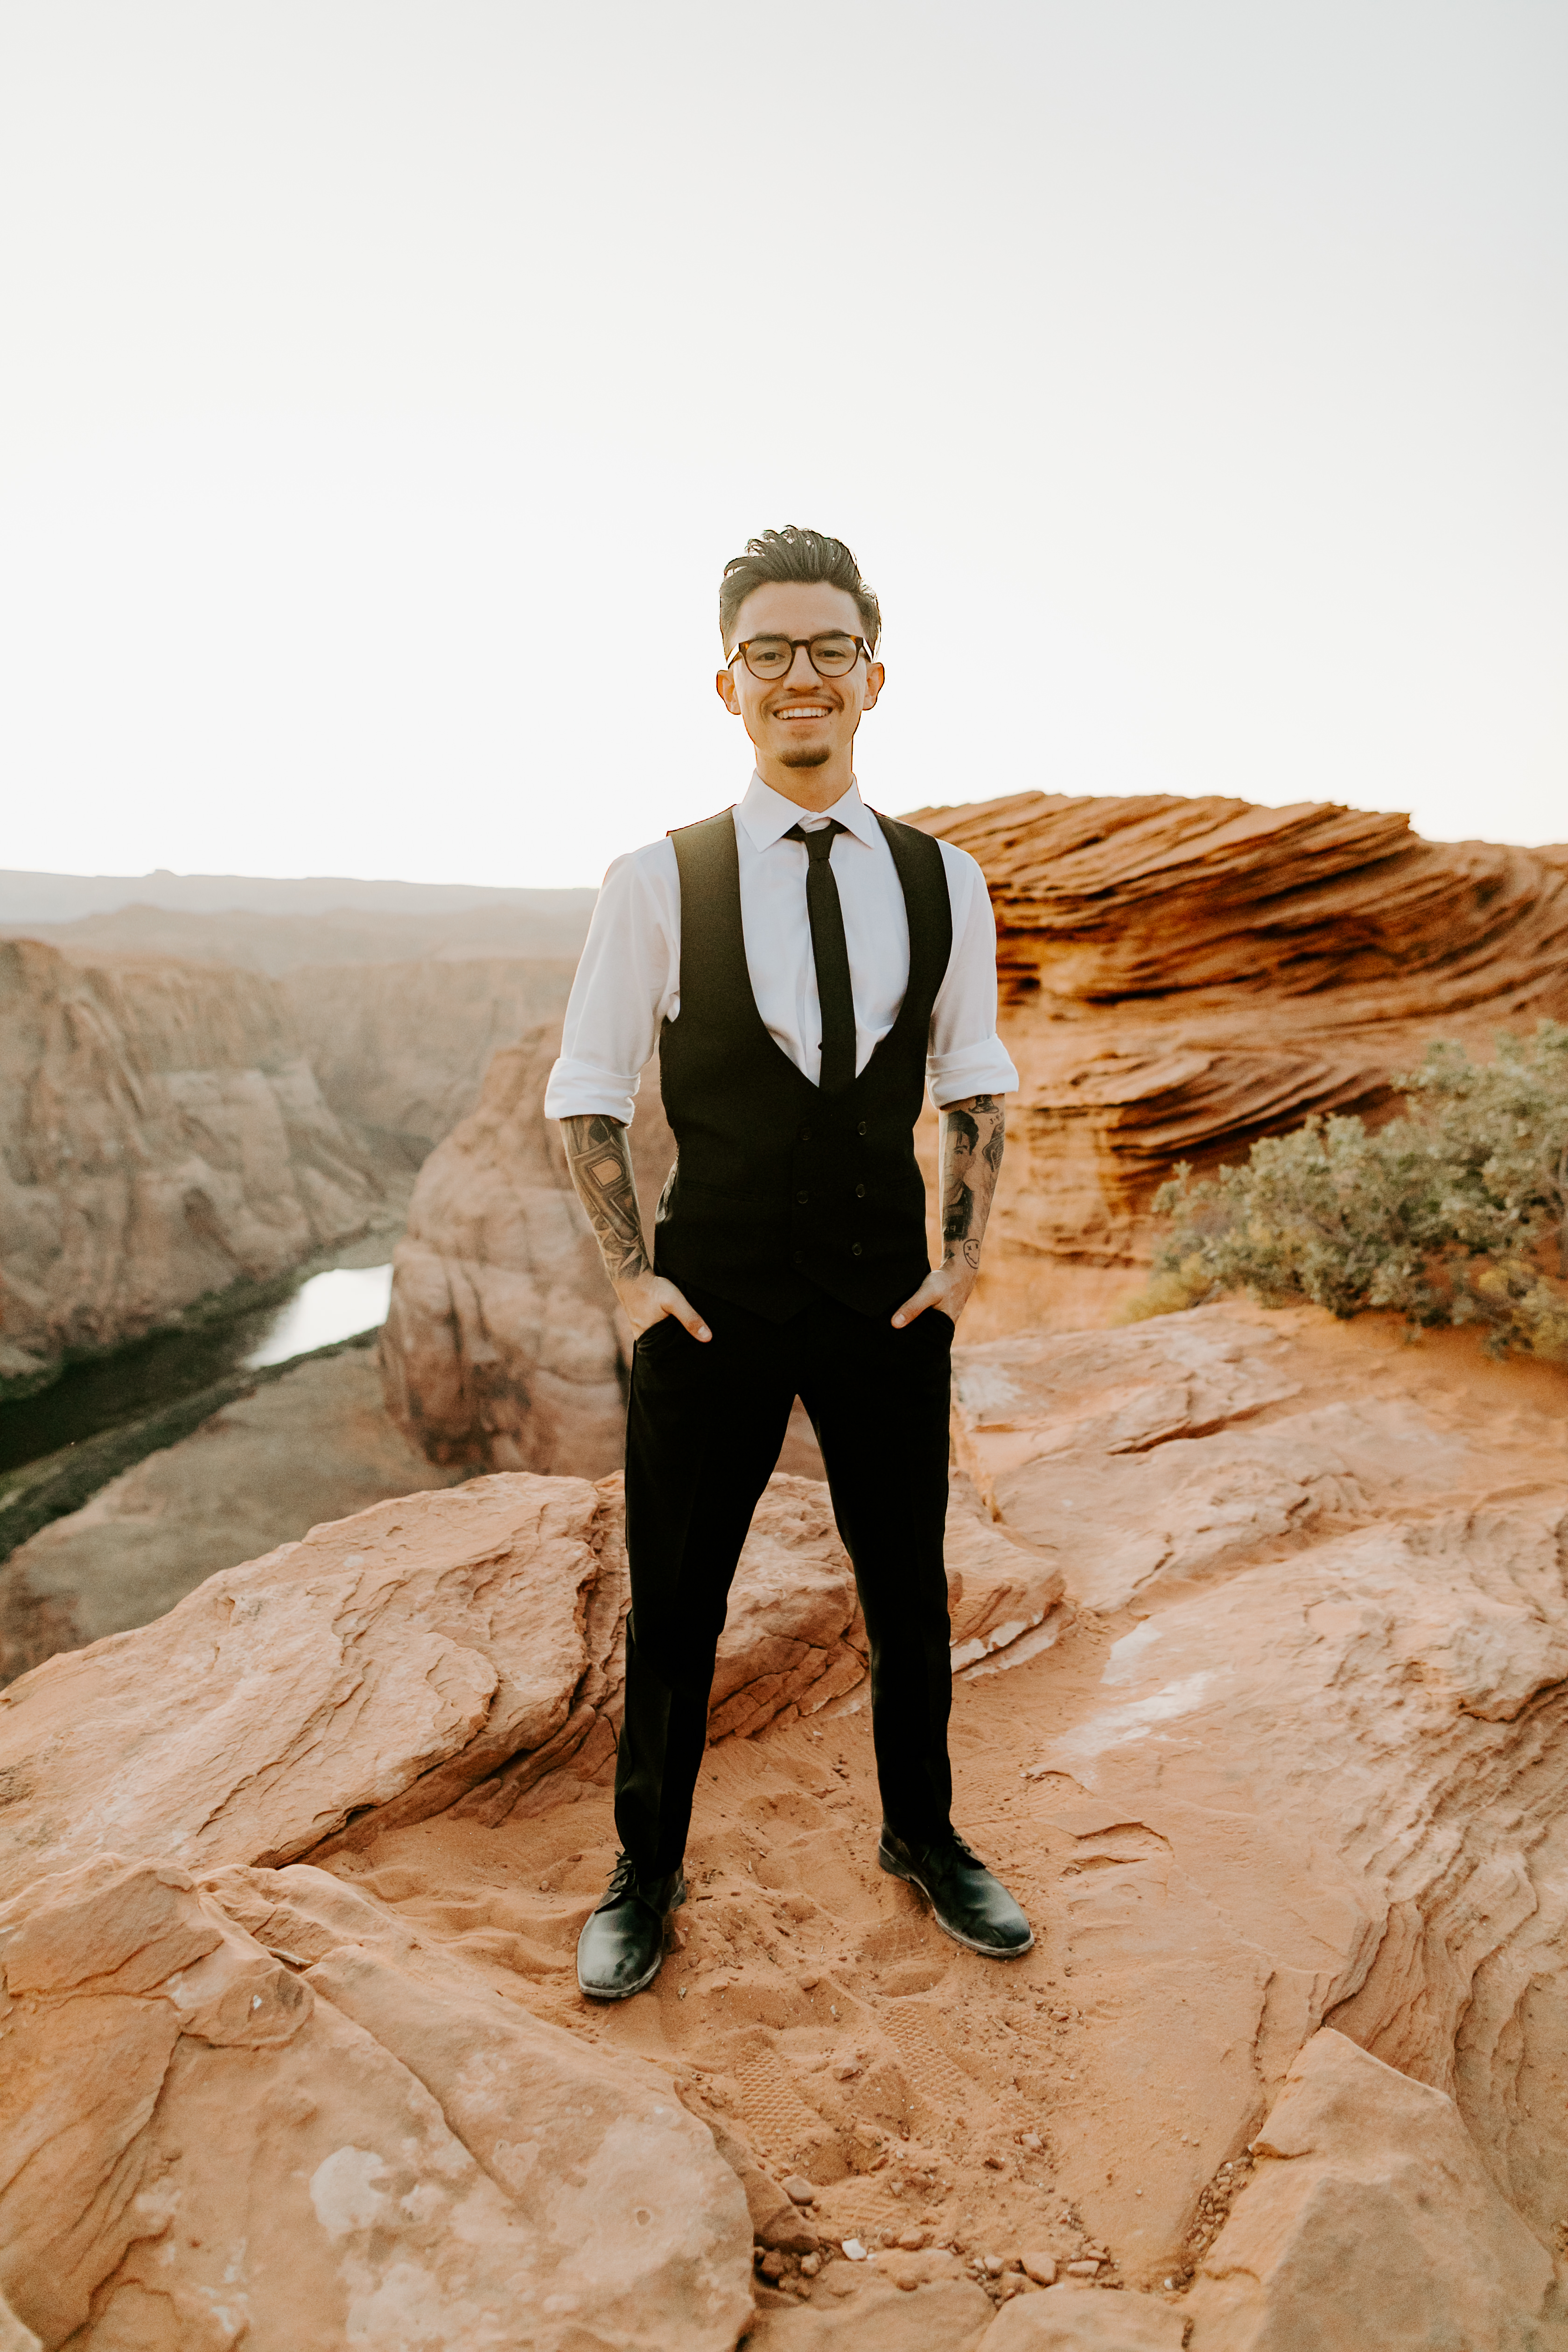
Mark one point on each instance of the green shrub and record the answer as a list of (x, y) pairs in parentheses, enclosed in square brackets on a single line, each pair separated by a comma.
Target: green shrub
[(1456, 1213)]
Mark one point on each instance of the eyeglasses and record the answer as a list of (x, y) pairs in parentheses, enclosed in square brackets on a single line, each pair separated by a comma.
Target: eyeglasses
[(833, 654)]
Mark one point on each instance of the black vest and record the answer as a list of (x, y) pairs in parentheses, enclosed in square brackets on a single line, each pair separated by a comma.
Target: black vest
[(777, 1187)]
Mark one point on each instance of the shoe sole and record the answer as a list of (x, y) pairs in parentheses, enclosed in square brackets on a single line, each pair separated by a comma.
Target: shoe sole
[(595, 1992), (954, 1935)]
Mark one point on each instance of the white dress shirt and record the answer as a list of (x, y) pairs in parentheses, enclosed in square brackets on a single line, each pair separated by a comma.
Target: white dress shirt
[(628, 979)]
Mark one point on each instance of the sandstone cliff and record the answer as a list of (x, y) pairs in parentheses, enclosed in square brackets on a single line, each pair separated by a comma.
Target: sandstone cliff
[(400, 1050), (1179, 977), (502, 1347), (162, 1137)]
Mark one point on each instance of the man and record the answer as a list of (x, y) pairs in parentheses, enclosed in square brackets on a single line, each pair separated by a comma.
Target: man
[(807, 968)]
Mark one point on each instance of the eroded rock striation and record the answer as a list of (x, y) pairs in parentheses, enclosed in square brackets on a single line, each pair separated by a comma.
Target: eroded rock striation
[(1180, 977), (453, 1648), (162, 1137)]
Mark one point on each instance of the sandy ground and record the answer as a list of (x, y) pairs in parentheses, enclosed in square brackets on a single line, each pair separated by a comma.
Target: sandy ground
[(810, 2006), (809, 2003)]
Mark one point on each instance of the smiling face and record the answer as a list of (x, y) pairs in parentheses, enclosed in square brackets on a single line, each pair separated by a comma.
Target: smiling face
[(800, 723)]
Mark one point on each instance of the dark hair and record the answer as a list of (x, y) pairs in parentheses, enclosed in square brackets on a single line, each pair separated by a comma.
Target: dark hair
[(796, 554)]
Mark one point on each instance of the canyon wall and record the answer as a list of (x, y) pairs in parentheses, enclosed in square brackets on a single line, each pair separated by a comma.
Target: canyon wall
[(1179, 977), (163, 1139), (503, 1346), (400, 1049)]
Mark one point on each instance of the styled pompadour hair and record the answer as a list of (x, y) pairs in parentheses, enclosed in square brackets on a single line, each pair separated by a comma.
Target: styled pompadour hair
[(796, 554)]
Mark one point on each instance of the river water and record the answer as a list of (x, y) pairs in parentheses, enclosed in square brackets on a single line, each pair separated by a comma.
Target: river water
[(92, 1397)]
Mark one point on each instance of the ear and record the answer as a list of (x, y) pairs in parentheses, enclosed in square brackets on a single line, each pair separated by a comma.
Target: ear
[(725, 689), (875, 678)]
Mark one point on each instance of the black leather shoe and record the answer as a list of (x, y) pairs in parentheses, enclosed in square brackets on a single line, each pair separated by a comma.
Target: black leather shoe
[(968, 1904), (621, 1947)]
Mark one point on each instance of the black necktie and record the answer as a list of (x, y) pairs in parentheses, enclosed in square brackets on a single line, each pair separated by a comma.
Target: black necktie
[(830, 955)]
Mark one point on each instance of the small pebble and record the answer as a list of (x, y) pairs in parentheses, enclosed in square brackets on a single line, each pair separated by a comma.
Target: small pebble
[(912, 2241), (809, 1984), (810, 2265), (852, 2250), (1082, 2270), (1033, 2142), (771, 2264), (1041, 2268), (995, 2266), (798, 2190)]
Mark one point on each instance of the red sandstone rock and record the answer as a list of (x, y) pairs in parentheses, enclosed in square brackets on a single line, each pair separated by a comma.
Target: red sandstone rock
[(201, 2143), (463, 1647), (1371, 2215), (1066, 2320), (1302, 1767), (502, 1347), (1179, 977), (162, 1138)]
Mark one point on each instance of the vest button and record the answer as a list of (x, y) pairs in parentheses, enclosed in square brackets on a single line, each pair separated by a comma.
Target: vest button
[(859, 1191), (803, 1198), (853, 1249), (802, 1134), (861, 1128)]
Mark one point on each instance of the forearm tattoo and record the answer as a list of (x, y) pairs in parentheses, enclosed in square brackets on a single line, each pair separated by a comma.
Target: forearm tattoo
[(972, 1140), (598, 1154)]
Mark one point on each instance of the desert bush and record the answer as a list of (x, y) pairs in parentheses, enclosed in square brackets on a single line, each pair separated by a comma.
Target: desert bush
[(1456, 1213)]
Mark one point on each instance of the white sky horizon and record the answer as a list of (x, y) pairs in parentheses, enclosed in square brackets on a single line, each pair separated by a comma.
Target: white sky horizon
[(389, 382)]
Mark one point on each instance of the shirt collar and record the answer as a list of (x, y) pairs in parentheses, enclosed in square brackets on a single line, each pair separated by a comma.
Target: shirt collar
[(768, 816)]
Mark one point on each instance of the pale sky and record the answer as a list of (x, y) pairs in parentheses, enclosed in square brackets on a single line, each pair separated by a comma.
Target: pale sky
[(386, 382)]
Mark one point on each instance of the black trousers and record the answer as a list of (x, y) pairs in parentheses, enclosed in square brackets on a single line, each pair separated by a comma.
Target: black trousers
[(704, 1428)]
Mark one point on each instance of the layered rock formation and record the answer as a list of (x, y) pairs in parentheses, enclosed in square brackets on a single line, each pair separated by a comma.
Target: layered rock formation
[(399, 1050), (205, 2048), (503, 1347), (1179, 977), (442, 1649), (163, 1139), (1285, 1801)]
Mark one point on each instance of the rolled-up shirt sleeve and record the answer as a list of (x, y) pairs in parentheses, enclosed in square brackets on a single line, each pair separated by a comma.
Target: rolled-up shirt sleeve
[(625, 987), (965, 1054)]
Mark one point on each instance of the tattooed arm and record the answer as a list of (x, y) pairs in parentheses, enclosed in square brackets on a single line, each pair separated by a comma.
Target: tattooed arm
[(598, 1155), (972, 1140)]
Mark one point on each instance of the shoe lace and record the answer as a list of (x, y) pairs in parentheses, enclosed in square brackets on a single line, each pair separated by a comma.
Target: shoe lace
[(623, 1878)]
